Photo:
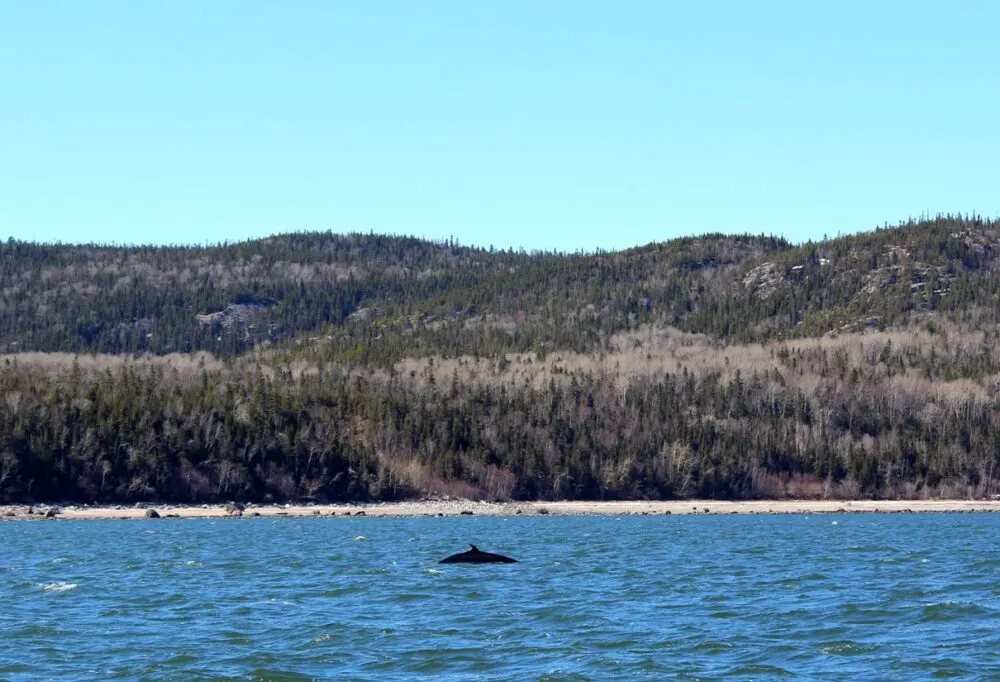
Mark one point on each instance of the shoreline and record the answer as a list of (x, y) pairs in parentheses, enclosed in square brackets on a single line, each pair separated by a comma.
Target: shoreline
[(472, 508)]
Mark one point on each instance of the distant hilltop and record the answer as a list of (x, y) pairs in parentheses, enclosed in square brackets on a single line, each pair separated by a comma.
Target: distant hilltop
[(388, 297)]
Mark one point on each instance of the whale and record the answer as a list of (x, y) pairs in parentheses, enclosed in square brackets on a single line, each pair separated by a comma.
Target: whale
[(477, 556)]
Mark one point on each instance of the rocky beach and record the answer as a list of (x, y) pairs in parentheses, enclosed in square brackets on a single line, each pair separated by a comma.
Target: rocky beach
[(452, 507)]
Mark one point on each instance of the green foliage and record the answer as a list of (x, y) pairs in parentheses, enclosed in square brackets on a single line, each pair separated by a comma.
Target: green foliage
[(370, 299), (356, 298), (369, 367), (274, 432)]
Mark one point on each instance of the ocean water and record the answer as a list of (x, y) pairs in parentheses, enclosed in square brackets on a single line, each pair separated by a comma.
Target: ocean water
[(822, 597)]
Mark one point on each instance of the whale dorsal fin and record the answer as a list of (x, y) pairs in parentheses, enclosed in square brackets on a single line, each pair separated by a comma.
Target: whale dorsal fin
[(474, 548)]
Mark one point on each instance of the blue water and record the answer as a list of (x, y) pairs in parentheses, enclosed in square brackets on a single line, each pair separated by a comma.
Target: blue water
[(845, 597)]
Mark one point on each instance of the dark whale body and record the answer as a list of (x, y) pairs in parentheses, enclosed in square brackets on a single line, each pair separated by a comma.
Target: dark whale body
[(477, 556)]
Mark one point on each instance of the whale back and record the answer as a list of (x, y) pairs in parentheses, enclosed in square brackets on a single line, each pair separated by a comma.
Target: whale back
[(477, 556)]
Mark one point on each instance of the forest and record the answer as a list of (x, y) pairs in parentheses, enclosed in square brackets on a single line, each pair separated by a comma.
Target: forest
[(362, 367)]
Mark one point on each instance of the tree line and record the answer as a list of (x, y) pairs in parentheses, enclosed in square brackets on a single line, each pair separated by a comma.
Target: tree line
[(810, 423)]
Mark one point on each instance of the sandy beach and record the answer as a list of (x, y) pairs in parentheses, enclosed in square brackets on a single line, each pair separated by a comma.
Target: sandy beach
[(468, 507)]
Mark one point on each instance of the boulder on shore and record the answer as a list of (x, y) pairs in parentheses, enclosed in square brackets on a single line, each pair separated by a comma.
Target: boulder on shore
[(152, 514), (53, 512)]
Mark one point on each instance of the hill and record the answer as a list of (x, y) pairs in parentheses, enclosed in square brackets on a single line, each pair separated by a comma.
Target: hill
[(229, 299), (368, 367)]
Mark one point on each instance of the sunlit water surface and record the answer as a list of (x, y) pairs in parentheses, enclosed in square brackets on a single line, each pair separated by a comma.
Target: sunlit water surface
[(846, 597)]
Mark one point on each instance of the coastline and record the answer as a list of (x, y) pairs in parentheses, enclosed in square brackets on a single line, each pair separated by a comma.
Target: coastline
[(468, 507)]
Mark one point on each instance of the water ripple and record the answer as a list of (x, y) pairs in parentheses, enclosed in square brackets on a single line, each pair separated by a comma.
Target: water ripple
[(684, 598)]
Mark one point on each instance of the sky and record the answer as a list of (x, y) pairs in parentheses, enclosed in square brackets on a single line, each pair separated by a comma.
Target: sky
[(536, 124)]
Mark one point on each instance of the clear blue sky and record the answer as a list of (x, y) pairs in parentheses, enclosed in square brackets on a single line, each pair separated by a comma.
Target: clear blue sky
[(565, 124)]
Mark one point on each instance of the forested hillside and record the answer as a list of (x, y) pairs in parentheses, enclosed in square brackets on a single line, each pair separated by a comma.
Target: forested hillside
[(351, 290), (317, 366)]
